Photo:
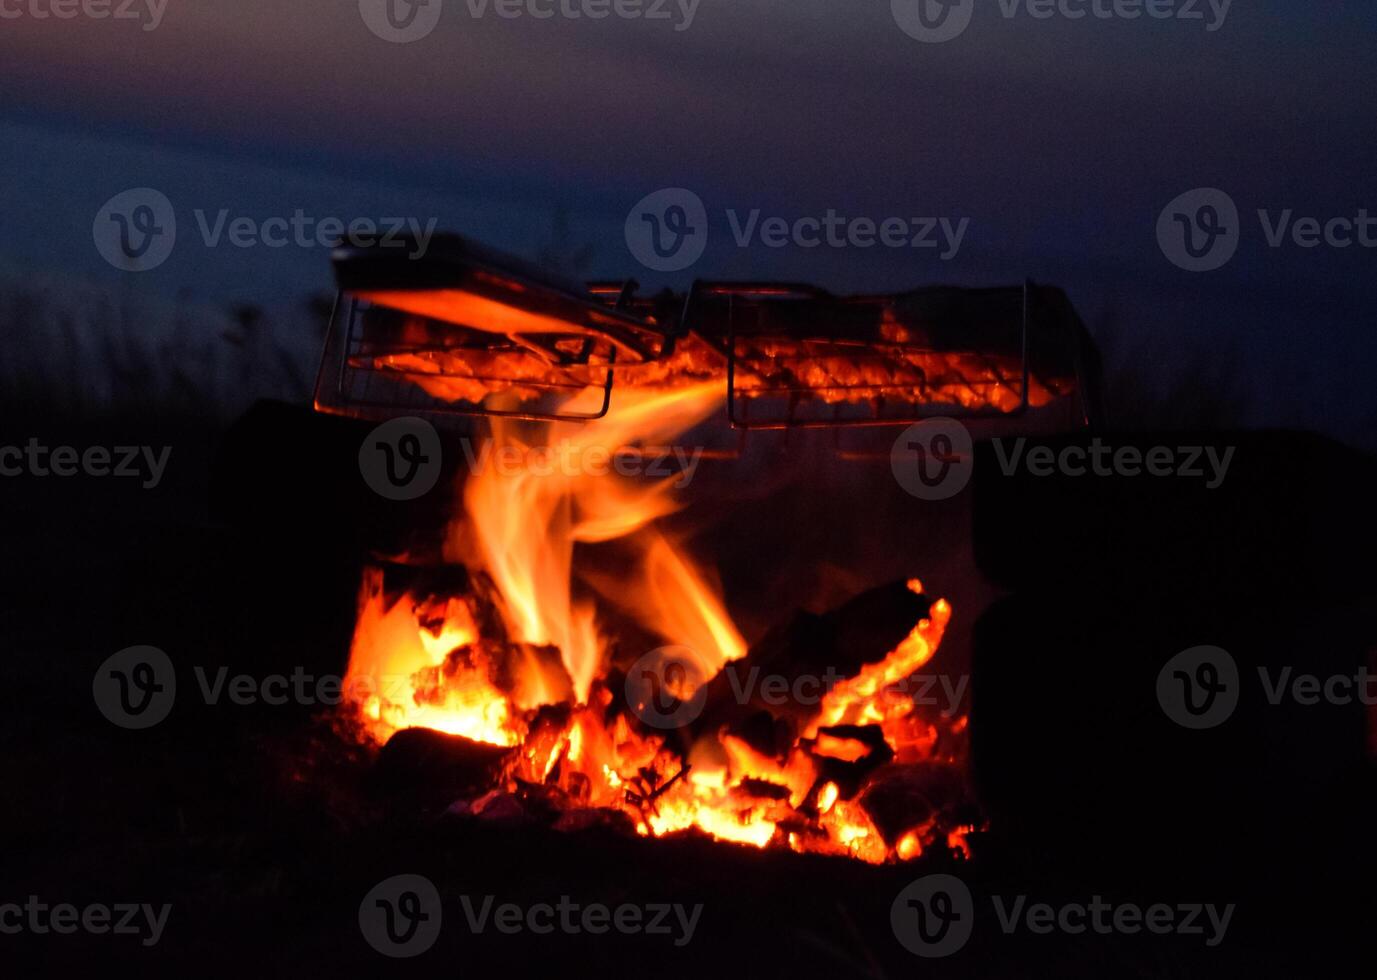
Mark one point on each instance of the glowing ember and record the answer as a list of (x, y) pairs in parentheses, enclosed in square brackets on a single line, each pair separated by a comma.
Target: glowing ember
[(831, 372), (521, 661), (398, 670)]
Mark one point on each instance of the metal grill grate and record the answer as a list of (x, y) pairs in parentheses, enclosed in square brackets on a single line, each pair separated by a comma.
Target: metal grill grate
[(467, 338)]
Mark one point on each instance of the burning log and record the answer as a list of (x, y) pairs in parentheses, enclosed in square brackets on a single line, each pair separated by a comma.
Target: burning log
[(496, 807), (930, 798), (788, 672), (847, 754), (863, 631), (433, 769), (600, 818)]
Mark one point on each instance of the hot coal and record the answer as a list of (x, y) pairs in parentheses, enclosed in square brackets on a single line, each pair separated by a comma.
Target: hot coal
[(805, 779)]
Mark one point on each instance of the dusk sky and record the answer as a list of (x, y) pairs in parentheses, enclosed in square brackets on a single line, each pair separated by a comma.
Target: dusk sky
[(1060, 140)]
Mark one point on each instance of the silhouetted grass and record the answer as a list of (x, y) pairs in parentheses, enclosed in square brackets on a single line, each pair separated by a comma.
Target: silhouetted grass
[(1151, 384), (86, 354)]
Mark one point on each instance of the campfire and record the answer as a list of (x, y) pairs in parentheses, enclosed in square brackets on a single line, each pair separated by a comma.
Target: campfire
[(523, 658), (582, 657)]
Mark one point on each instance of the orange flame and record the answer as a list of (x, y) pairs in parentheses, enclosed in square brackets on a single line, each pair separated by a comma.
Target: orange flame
[(527, 523), (397, 670)]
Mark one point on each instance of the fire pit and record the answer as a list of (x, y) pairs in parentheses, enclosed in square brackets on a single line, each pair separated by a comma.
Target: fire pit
[(577, 663)]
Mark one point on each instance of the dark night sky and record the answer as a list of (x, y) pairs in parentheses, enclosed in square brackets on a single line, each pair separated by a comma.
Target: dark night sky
[(1060, 140)]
